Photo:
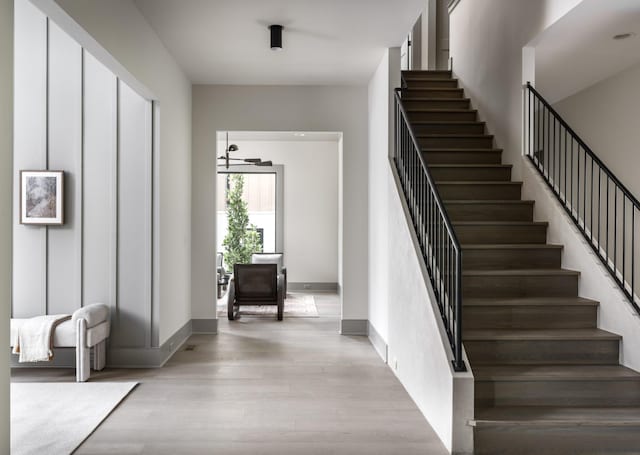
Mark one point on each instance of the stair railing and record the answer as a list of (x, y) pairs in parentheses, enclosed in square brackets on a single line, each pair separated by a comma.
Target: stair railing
[(601, 207), (438, 243)]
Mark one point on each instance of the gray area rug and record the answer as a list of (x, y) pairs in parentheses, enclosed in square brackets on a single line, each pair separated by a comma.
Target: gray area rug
[(295, 306), (55, 418)]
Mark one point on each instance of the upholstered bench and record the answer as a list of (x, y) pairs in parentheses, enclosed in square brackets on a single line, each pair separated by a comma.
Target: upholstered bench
[(88, 328)]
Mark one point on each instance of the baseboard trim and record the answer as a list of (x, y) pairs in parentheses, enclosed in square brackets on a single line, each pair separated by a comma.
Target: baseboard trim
[(302, 286), (205, 326), (358, 327), (378, 343), (149, 357)]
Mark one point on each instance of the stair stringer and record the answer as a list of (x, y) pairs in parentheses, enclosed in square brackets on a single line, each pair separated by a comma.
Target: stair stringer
[(445, 397)]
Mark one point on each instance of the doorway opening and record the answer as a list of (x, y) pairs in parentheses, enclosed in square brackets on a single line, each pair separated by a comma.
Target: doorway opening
[(295, 213)]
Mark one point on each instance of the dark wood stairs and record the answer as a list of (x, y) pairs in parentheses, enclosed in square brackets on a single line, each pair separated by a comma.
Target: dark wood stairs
[(547, 380)]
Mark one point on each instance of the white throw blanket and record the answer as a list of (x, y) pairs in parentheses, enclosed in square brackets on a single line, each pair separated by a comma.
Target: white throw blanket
[(34, 340)]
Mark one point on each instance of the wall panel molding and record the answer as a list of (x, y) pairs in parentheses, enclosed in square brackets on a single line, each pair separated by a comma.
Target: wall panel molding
[(30, 150), (72, 113), (64, 245)]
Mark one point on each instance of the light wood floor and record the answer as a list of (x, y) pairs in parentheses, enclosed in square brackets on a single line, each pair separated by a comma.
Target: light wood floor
[(263, 387)]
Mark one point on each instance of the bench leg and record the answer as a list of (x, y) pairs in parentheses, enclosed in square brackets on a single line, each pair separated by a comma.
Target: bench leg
[(82, 352), (100, 355)]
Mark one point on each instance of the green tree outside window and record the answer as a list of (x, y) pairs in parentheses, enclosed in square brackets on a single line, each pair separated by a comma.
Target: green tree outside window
[(242, 239)]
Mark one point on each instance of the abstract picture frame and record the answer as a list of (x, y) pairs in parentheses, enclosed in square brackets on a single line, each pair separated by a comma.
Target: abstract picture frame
[(42, 197)]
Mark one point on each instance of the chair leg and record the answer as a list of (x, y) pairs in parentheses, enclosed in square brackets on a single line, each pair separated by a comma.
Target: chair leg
[(82, 352), (100, 355), (231, 298)]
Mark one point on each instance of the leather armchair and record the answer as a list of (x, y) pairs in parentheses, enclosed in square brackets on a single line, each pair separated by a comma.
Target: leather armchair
[(255, 284), (272, 258)]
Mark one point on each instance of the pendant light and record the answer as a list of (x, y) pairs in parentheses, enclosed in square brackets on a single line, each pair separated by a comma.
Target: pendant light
[(245, 161), (276, 37)]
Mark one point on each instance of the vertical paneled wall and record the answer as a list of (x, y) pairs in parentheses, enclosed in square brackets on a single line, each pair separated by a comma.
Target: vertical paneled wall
[(73, 114)]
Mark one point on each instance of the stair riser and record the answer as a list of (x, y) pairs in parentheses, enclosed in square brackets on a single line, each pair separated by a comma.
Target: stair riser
[(432, 84), (529, 317), (557, 393), (520, 286), (557, 439), (483, 142), (435, 93), (449, 128), (510, 259), (471, 157), (494, 174), (490, 212), (559, 352), (440, 103), (476, 192), (497, 234), (437, 116), (426, 74)]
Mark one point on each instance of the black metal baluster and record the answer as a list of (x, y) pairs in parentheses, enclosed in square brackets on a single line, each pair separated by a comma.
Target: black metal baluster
[(624, 237), (571, 204), (591, 209), (565, 167), (599, 209), (615, 230), (578, 189), (607, 230)]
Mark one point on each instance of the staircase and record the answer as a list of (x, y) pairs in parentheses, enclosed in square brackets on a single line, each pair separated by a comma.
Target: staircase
[(547, 380)]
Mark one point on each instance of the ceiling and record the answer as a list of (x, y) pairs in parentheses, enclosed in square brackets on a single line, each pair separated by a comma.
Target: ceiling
[(578, 50), (280, 136), (325, 42)]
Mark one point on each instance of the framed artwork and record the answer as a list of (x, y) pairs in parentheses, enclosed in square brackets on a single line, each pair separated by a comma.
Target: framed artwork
[(41, 197)]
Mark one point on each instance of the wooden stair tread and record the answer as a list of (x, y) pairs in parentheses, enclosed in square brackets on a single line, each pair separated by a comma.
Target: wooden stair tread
[(454, 136), (447, 122), (487, 201), (423, 98), (554, 373), (530, 301), (511, 246), (454, 150), (478, 182), (538, 334), (554, 416), (433, 110), (520, 272), (472, 166), (417, 78), (438, 89), (500, 223), (409, 72)]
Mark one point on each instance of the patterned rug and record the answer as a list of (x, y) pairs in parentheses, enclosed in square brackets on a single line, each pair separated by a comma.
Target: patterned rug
[(295, 306)]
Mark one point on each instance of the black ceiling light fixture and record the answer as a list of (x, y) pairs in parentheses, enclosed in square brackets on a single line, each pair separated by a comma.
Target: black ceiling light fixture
[(276, 37), (245, 161)]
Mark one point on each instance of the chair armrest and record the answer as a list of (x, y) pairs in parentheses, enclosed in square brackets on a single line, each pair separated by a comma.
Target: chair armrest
[(94, 314), (280, 287)]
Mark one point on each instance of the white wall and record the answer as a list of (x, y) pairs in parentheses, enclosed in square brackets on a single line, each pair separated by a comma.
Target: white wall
[(294, 108), (120, 28), (486, 41), (380, 102), (402, 308), (310, 205), (605, 116), (6, 146)]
